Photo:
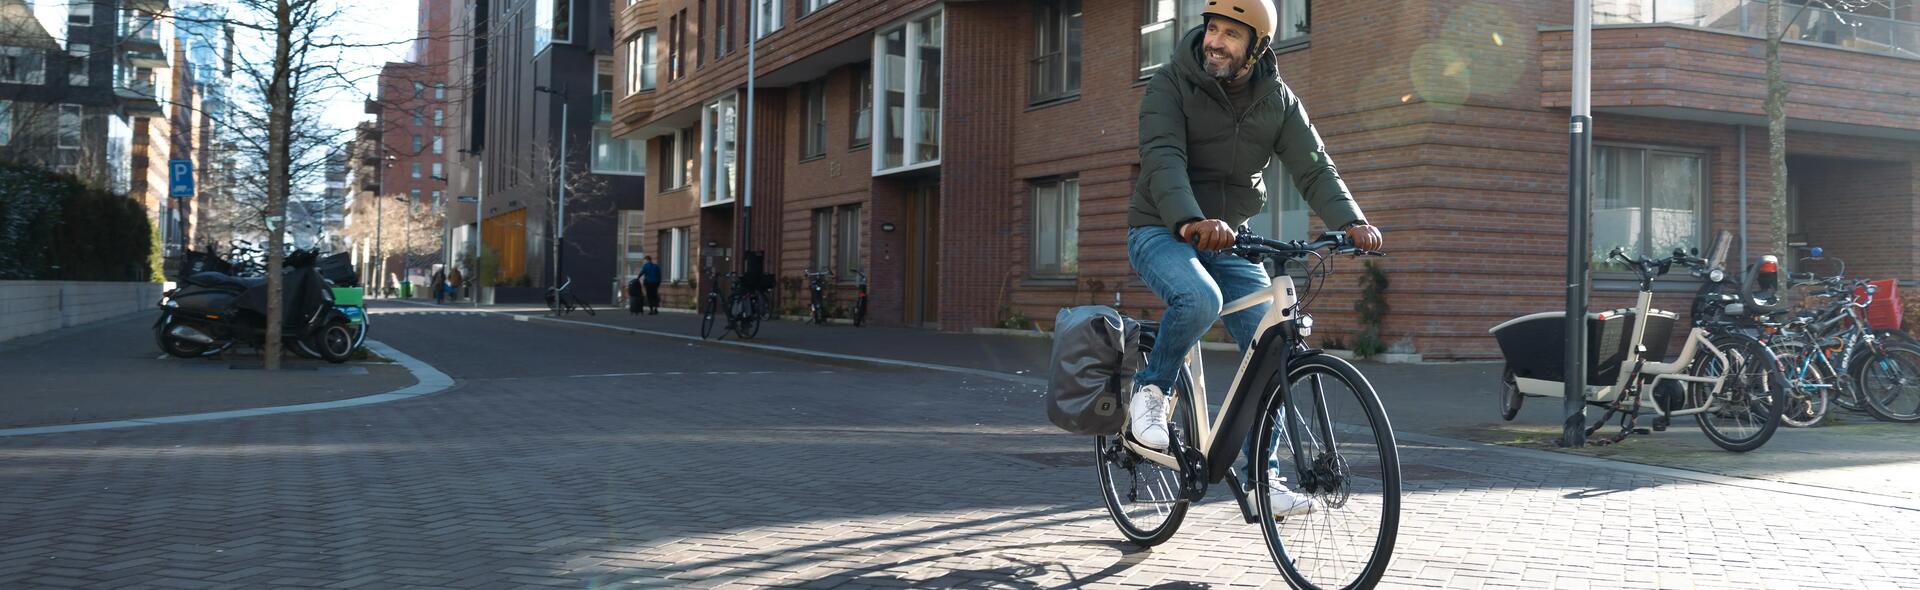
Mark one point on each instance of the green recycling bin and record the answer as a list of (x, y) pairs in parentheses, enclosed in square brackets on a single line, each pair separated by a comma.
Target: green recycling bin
[(406, 290)]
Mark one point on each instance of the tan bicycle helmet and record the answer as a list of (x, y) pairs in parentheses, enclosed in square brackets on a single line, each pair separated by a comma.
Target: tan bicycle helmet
[(1258, 14)]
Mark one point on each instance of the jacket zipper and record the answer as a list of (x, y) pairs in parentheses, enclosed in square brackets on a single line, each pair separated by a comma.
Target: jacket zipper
[(1237, 120)]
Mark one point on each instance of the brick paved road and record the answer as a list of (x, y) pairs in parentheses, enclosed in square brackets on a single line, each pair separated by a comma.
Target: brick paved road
[(569, 457)]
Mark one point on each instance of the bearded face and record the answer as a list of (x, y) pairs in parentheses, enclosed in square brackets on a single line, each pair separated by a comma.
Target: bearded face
[(1224, 49)]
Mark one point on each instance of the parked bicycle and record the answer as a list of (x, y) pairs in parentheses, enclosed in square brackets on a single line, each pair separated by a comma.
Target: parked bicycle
[(1833, 356), (817, 296), (860, 300), (742, 307), (1315, 425), (1728, 381), (561, 300)]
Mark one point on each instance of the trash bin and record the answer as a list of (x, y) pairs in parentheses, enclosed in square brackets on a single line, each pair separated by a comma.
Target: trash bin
[(406, 289)]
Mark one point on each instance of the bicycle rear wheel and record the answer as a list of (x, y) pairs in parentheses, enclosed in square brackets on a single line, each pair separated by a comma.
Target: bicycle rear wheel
[(1352, 475), (1143, 496), (582, 303), (744, 316), (1890, 383), (707, 309), (1746, 411), (859, 312)]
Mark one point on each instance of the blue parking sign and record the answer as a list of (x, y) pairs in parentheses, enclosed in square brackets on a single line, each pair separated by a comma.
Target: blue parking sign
[(180, 175)]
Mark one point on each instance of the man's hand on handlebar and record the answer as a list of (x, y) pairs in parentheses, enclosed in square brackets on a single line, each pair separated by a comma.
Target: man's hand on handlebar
[(1207, 234), (1366, 237)]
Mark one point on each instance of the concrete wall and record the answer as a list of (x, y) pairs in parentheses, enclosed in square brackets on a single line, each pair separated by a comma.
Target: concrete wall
[(33, 307)]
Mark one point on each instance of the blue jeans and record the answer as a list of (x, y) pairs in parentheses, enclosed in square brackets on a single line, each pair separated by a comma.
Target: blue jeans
[(1194, 285)]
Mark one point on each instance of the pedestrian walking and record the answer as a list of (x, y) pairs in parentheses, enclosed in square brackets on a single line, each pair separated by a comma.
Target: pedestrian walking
[(650, 280), (454, 281), (439, 286)]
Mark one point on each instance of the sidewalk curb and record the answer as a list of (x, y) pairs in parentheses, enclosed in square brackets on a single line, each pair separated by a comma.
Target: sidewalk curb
[(1797, 489), (430, 381)]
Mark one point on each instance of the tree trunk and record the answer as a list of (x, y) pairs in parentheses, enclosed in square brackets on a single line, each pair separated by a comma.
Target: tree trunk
[(1776, 132), (279, 150)]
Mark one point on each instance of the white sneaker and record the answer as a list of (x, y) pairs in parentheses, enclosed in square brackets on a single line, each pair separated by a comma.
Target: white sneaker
[(1286, 502), (1147, 417)]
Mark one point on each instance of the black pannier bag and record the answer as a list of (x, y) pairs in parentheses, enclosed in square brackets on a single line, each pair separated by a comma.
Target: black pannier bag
[(1095, 354)]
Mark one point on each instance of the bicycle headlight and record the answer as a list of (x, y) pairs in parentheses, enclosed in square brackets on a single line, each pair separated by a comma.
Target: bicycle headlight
[(1716, 275), (1306, 325)]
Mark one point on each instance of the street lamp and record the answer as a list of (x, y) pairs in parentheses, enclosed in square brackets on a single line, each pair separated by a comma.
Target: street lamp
[(560, 180)]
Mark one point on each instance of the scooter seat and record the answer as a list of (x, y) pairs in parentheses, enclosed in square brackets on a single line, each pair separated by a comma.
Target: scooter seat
[(214, 280)]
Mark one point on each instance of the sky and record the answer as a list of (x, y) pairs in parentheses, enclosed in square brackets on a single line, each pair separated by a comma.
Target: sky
[(368, 22)]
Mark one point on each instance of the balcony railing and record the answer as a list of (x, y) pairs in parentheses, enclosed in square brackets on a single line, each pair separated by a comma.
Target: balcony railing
[(1811, 24)]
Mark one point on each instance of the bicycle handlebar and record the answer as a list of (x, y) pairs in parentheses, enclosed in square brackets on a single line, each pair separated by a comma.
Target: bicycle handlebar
[(1246, 243)]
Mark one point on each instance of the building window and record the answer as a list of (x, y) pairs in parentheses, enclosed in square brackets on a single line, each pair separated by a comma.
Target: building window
[(813, 126), (723, 27), (416, 170), (439, 118), (439, 171), (1289, 220), (77, 54), (717, 168), (673, 150), (1056, 50), (847, 256), (677, 47), (439, 144), (21, 65), (440, 91), (907, 72), (70, 125), (1166, 21), (612, 156), (552, 23), (673, 243), (700, 37), (419, 143), (640, 62), (631, 252), (1056, 228), (419, 88), (862, 108), (822, 240), (419, 116), (80, 13), (413, 196), (768, 19), (1647, 200), (436, 194), (6, 122), (811, 6)]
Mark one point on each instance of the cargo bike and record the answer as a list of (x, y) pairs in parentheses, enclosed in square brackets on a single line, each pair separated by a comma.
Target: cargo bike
[(1729, 382)]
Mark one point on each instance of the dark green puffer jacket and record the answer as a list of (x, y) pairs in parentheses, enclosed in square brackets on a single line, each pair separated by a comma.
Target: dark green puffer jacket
[(1200, 160)]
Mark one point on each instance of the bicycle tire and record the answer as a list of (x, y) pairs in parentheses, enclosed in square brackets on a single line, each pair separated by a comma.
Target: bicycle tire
[(1889, 384), (747, 324), (582, 303), (1510, 396), (706, 315), (859, 312), (1808, 385), (1366, 477), (1760, 385), (1113, 459)]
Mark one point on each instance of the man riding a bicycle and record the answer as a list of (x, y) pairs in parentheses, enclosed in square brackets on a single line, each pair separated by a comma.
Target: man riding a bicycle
[(1212, 119)]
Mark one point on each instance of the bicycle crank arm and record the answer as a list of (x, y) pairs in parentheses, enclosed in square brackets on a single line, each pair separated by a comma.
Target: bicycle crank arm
[(1193, 468)]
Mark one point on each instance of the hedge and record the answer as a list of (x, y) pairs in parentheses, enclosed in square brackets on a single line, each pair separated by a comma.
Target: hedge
[(55, 227)]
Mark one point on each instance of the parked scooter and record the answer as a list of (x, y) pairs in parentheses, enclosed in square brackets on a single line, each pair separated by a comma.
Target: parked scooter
[(213, 311)]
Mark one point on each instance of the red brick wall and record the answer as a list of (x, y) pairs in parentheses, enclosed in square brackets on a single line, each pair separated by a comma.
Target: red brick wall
[(1860, 212)]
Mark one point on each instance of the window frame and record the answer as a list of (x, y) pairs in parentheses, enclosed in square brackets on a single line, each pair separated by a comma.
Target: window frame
[(822, 255), (642, 64), (808, 7), (912, 31), (847, 220), (1703, 214), (1057, 63), (6, 121), (80, 13), (700, 36), (1067, 214), (768, 21), (714, 127), (79, 62), (813, 120), (415, 171), (862, 106)]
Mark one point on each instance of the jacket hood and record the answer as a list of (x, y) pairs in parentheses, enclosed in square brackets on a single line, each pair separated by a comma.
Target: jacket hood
[(1187, 63)]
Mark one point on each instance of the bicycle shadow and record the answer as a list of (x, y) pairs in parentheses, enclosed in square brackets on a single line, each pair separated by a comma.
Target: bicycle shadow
[(1019, 572)]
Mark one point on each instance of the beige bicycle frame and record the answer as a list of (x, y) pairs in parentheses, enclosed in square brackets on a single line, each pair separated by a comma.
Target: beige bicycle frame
[(1283, 297)]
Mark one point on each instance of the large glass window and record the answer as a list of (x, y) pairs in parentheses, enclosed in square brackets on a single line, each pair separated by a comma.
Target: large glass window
[(848, 254), (717, 167), (811, 6), (640, 62), (1166, 21), (813, 121), (680, 256), (1055, 66), (632, 250), (1648, 200), (6, 122), (675, 153), (80, 13), (1056, 229), (21, 65), (552, 23), (767, 20), (908, 71), (1284, 215), (862, 120)]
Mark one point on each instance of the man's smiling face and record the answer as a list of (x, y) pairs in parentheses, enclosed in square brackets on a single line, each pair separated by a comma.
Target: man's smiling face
[(1225, 47)]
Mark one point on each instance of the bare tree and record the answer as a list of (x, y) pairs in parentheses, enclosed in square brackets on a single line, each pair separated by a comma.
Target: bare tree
[(586, 196)]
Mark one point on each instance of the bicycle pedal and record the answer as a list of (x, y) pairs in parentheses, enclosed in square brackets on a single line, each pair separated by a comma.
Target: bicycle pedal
[(1642, 431), (1660, 424)]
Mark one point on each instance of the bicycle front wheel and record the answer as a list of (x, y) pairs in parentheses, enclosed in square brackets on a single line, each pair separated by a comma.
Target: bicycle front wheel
[(746, 322), (582, 303), (1333, 444), (1890, 383), (707, 311), (1807, 385)]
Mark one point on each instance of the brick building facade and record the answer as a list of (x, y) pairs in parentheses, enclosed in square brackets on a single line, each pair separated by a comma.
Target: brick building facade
[(1447, 121)]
